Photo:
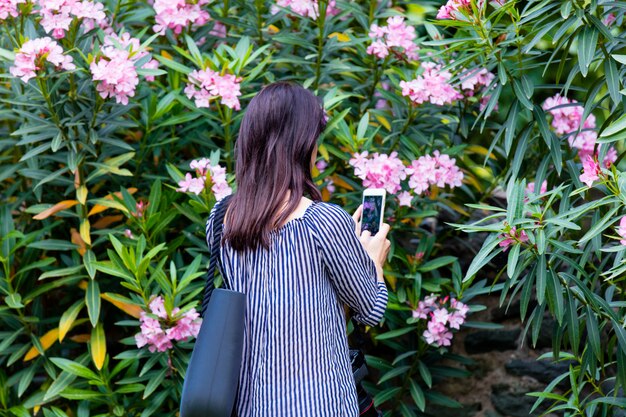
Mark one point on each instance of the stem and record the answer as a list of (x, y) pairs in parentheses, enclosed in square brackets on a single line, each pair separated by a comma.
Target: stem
[(373, 5), (258, 4), (43, 86), (320, 42)]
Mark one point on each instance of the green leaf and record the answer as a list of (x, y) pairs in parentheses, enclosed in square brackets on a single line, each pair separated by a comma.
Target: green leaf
[(394, 333), (512, 260), (417, 394), (612, 80), (614, 128), (437, 263), (541, 279), (608, 219), (53, 244), (385, 395), (400, 370), (484, 256), (92, 299), (154, 383), (61, 272), (593, 333), (89, 260), (425, 374), (63, 380), (68, 318), (587, 41), (75, 368)]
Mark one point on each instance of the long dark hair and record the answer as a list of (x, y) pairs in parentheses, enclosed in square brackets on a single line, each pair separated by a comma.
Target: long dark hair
[(276, 140)]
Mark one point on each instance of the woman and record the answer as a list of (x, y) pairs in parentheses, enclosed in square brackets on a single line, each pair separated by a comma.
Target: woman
[(299, 261)]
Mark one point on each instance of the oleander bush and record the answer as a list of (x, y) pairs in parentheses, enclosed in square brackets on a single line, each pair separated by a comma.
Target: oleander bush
[(118, 121)]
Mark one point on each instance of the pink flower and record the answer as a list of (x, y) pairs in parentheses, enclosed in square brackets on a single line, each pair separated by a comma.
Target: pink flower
[(405, 198), (379, 170), (440, 316), (115, 67), (330, 186), (190, 184), (530, 187), (622, 230), (512, 237), (157, 307), (457, 318), (216, 174), (179, 14), (200, 165), (9, 8), (474, 78), (305, 8), (451, 8), (128, 233), (437, 333), (396, 35), (206, 85), (152, 335), (159, 339), (440, 170), (187, 326), (433, 86), (57, 15), (609, 19), (425, 306), (33, 54), (567, 120), (591, 171), (321, 165)]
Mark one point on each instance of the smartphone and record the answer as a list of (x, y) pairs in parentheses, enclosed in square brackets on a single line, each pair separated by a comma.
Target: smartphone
[(373, 209)]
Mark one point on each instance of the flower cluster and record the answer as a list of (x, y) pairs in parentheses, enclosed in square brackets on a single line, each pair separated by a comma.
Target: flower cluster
[(159, 338), (216, 174), (305, 8), (591, 170), (451, 8), (442, 316), (33, 54), (512, 237), (432, 85), (9, 8), (567, 119), (205, 85), (621, 230), (179, 14), (379, 171), (440, 170), (396, 34), (115, 67), (474, 79), (58, 15)]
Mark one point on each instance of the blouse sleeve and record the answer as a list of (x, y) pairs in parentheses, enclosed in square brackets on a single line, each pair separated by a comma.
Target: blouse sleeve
[(352, 271)]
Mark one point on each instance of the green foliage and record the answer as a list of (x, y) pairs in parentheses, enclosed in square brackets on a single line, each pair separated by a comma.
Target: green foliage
[(92, 227)]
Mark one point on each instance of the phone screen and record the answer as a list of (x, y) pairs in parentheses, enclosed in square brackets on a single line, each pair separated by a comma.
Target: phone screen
[(372, 213)]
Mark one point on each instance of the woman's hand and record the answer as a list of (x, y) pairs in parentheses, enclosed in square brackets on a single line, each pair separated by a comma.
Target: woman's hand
[(377, 246)]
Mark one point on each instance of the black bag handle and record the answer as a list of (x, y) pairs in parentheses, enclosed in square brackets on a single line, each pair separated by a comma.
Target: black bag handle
[(218, 227)]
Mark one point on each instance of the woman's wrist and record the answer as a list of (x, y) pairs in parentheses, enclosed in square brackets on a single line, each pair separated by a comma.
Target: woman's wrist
[(380, 277)]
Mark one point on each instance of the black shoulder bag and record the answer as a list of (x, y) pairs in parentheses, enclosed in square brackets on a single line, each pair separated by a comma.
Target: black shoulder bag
[(212, 377)]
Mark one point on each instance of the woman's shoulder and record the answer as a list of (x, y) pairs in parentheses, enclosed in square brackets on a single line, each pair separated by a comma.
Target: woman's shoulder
[(329, 213)]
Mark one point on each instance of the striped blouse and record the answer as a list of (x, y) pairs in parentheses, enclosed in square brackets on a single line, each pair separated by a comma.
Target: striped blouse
[(295, 359)]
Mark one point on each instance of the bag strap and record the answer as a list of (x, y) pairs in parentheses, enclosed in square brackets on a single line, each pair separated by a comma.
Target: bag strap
[(218, 227)]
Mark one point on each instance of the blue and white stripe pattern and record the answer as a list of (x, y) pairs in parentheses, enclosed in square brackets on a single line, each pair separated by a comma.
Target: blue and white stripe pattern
[(295, 359)]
